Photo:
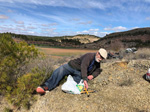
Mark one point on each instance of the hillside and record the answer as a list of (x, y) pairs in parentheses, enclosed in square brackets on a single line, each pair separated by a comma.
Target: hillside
[(134, 38), (86, 38), (139, 37), (119, 88), (62, 41)]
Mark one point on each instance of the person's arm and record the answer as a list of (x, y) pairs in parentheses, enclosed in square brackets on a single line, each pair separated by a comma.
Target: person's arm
[(84, 66), (86, 59), (96, 72), (85, 84)]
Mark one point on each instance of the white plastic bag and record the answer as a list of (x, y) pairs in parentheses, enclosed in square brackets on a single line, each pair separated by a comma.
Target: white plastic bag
[(70, 86)]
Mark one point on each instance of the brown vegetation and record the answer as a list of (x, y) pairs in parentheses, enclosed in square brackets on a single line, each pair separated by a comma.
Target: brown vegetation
[(60, 52)]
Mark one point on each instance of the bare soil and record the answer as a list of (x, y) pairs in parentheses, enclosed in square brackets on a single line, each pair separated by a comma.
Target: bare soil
[(119, 88), (59, 53)]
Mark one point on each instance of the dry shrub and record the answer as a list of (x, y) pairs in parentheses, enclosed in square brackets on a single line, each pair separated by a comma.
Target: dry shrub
[(22, 69), (142, 53), (45, 64), (34, 74)]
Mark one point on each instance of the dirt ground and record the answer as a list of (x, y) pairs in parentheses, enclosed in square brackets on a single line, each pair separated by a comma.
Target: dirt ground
[(119, 88), (58, 52)]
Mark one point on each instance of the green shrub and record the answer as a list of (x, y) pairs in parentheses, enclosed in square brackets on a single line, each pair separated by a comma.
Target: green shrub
[(6, 109), (22, 95), (12, 57), (16, 86)]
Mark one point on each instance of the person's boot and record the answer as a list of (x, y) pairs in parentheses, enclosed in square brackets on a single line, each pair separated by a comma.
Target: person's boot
[(42, 89)]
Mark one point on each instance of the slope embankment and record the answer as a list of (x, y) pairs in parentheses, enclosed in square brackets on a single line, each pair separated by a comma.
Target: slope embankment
[(119, 88)]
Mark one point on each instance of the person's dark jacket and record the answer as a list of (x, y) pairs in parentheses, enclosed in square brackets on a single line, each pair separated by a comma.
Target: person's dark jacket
[(82, 64)]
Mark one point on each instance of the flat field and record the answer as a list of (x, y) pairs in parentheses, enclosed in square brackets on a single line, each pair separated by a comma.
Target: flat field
[(60, 52)]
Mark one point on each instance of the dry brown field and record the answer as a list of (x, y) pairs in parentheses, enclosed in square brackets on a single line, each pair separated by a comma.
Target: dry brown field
[(60, 52)]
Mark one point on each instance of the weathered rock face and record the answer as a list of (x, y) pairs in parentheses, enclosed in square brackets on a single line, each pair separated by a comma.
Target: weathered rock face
[(119, 88)]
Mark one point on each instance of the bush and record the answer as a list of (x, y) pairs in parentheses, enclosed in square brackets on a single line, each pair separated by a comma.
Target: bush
[(16, 83), (8, 110), (141, 53), (12, 57), (22, 95)]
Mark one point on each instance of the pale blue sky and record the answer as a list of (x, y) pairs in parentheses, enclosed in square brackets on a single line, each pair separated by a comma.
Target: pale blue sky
[(71, 17)]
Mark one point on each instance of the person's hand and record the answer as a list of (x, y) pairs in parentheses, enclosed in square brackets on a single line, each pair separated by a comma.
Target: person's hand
[(90, 77), (85, 84)]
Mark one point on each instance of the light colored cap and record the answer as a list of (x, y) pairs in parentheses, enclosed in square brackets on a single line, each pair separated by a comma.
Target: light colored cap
[(103, 53)]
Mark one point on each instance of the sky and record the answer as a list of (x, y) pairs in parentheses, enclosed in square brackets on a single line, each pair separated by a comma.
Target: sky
[(72, 17)]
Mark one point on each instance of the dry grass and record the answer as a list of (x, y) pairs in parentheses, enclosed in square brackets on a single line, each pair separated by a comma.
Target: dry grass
[(60, 52), (142, 53)]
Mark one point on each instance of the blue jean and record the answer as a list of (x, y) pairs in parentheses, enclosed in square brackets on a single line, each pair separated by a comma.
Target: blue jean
[(59, 73)]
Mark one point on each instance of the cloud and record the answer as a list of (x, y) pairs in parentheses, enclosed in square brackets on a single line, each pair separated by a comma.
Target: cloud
[(93, 32), (93, 29), (134, 27), (83, 32), (20, 25), (81, 15), (9, 10), (50, 24), (45, 25), (3, 17), (53, 24), (75, 19), (147, 1), (118, 28), (96, 4), (61, 3), (31, 27), (52, 17), (136, 5), (32, 32), (147, 18), (85, 23), (50, 30), (18, 22)]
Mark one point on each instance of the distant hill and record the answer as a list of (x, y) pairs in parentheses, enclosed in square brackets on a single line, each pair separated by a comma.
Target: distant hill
[(61, 41), (86, 38), (139, 37)]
